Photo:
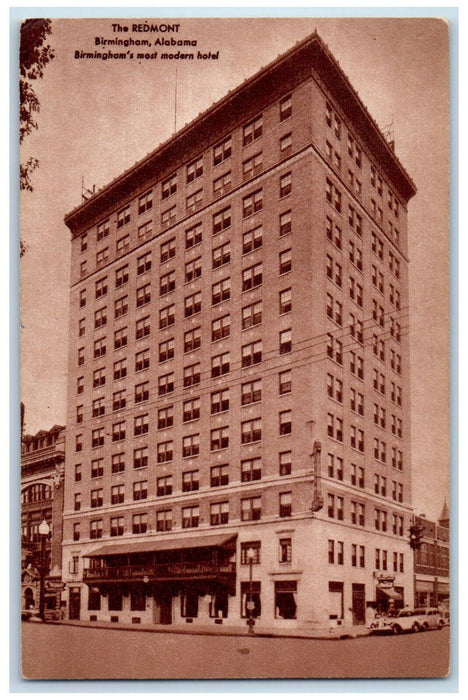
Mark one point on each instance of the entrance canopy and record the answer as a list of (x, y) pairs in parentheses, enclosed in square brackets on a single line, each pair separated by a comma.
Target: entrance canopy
[(162, 545), (390, 593)]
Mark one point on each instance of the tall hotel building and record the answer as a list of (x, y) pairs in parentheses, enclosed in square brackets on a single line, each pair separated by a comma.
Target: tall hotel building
[(238, 368)]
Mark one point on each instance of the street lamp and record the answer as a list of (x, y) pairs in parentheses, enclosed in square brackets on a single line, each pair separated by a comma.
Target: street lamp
[(44, 531), (250, 604)]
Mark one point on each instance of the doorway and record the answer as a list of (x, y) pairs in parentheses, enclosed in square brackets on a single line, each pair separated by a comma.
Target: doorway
[(75, 604), (165, 602), (359, 604)]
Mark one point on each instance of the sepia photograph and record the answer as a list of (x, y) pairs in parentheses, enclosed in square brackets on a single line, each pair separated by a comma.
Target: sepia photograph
[(234, 331)]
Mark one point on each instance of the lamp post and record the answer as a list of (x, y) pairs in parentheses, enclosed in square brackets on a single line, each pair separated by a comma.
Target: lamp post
[(250, 604), (44, 531)]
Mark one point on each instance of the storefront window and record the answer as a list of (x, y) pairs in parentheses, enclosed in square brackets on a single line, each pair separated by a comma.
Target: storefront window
[(115, 600), (219, 604), (285, 600), (256, 599), (335, 600), (94, 599), (189, 604), (137, 600)]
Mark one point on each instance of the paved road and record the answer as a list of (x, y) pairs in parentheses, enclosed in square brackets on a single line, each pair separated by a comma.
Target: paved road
[(64, 652)]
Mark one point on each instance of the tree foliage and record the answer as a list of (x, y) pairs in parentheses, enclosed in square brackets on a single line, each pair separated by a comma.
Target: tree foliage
[(35, 54)]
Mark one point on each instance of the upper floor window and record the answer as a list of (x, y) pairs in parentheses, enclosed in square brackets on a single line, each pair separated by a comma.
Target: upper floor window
[(285, 108), (145, 202), (195, 169), (103, 230), (222, 151), (252, 203), (123, 216), (253, 130), (169, 186)]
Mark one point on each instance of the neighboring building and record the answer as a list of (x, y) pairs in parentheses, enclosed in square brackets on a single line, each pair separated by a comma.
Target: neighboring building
[(238, 366), (42, 467), (431, 563)]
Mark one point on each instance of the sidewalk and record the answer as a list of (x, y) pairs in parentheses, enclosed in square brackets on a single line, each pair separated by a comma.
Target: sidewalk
[(227, 631)]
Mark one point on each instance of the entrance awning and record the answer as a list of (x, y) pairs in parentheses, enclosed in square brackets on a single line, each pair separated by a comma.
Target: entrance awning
[(162, 545), (390, 593)]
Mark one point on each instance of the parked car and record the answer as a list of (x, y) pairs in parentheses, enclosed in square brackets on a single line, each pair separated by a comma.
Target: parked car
[(407, 620), (431, 618)]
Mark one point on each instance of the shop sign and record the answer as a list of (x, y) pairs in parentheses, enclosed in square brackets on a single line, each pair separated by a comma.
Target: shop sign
[(385, 581)]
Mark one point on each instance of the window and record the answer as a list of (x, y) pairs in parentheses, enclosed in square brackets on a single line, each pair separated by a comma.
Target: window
[(166, 283), (167, 250), (252, 166), (142, 359), (145, 231), (95, 529), (140, 490), (219, 401), (142, 328), (285, 462), (219, 513), (333, 195), (117, 494), (140, 457), (190, 480), (285, 341), (219, 475), (354, 151), (120, 369), (335, 466), (221, 255), (335, 427), (121, 276), (192, 339), (116, 530), (334, 309), (357, 513), (251, 431), (253, 130), (334, 271), (357, 476), (380, 450), (165, 417), (285, 504), (102, 256), (285, 185), (251, 392), (251, 315), (190, 446), (191, 410), (169, 186), (190, 516), (118, 431), (252, 353), (99, 348), (252, 277), (251, 508), (335, 506), (99, 377), (163, 520), (166, 350), (193, 235), (119, 400), (220, 364), (143, 295), (81, 356), (332, 120), (285, 107), (145, 202), (82, 298), (164, 486), (122, 244), (285, 262), (96, 498), (118, 463), (77, 501), (194, 200), (335, 388), (285, 225), (252, 203), (100, 317), (193, 269), (139, 526), (220, 328), (221, 220), (219, 438), (166, 384), (192, 304), (99, 407), (285, 145), (195, 169), (285, 422), (141, 425), (255, 548), (79, 443), (222, 151), (164, 451), (285, 304), (222, 184), (221, 291), (78, 472), (83, 242), (166, 316)]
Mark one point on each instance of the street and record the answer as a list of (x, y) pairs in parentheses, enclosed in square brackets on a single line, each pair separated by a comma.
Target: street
[(67, 652)]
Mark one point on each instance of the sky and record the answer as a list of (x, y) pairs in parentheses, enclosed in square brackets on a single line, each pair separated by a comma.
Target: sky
[(98, 118)]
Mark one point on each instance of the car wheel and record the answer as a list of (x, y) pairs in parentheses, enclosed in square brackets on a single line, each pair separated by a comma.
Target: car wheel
[(415, 627), (441, 624), (396, 629), (426, 626)]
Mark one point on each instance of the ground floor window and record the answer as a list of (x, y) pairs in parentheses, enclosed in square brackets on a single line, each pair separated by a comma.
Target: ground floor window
[(285, 600), (137, 600), (115, 600), (254, 598), (94, 599), (335, 600), (189, 604), (219, 604)]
